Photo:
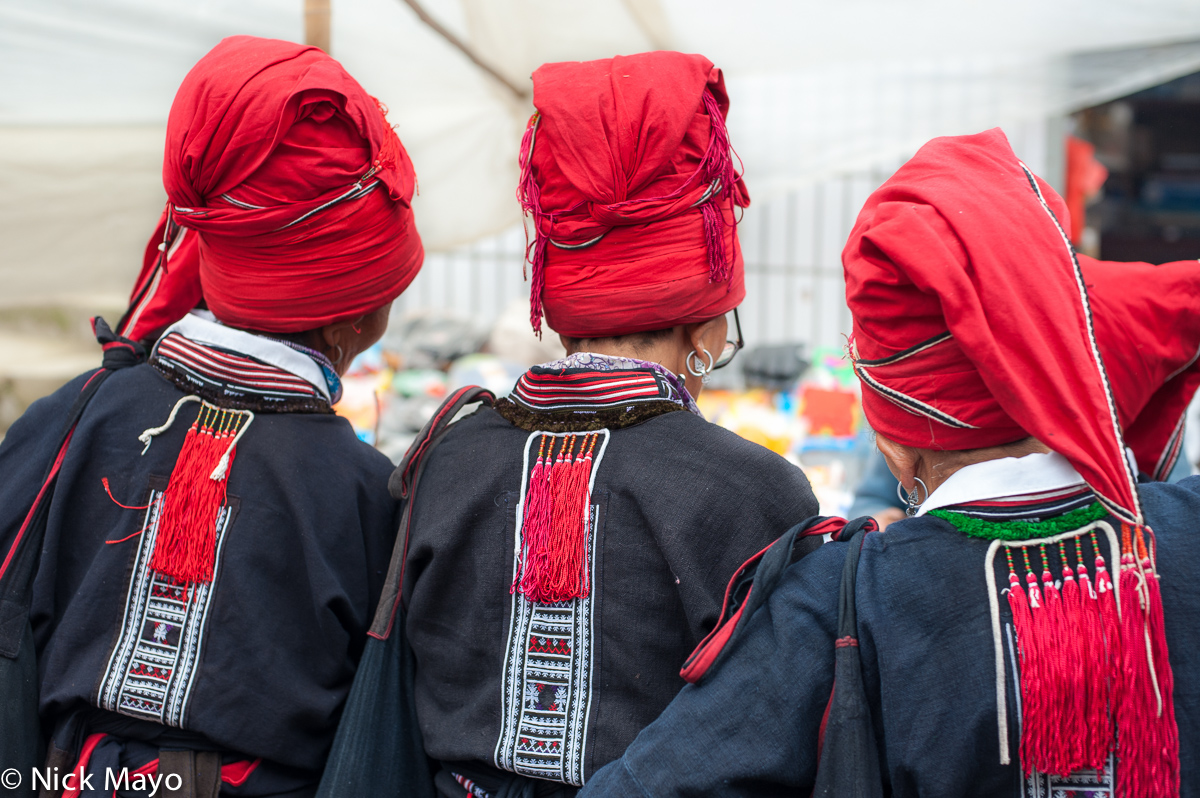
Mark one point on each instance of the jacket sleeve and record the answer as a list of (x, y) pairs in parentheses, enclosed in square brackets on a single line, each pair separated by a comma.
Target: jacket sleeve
[(26, 453), (738, 498), (750, 728)]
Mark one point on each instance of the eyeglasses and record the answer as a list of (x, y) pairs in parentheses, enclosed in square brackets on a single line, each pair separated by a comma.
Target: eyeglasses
[(731, 347)]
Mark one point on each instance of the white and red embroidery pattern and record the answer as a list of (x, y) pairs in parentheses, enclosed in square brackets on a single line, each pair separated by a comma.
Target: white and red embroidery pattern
[(546, 687), (153, 665)]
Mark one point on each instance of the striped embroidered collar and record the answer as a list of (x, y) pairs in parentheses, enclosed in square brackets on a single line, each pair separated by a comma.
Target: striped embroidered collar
[(1029, 479), (590, 380), (294, 372)]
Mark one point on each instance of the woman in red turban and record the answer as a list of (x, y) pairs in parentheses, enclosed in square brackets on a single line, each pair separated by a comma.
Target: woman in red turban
[(1028, 631), (191, 546), (572, 543)]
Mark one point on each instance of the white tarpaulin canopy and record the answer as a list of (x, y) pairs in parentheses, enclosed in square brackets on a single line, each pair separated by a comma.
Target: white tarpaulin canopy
[(816, 88)]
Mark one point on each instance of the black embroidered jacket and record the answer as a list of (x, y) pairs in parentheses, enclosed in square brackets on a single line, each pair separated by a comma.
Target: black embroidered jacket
[(256, 663), (554, 690)]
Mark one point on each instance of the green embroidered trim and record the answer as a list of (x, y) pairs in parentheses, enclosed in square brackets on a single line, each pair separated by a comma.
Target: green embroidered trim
[(1022, 530)]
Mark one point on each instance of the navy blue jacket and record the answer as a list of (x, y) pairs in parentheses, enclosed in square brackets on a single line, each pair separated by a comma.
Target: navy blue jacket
[(301, 568), (751, 727)]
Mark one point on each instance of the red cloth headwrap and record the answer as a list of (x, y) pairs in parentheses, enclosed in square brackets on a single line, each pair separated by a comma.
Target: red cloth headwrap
[(628, 174), (976, 324), (294, 191), (973, 325)]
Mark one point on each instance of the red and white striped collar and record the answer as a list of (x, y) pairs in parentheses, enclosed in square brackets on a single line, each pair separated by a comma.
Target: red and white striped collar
[(202, 328)]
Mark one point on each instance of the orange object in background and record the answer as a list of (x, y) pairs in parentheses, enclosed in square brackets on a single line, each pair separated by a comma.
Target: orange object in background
[(1085, 176), (829, 412)]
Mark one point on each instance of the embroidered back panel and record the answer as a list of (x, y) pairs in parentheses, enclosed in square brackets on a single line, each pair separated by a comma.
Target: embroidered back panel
[(547, 681), (153, 664), (1082, 784)]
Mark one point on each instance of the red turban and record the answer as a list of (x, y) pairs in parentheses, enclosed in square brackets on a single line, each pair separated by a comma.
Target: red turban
[(632, 190), (294, 192), (975, 324)]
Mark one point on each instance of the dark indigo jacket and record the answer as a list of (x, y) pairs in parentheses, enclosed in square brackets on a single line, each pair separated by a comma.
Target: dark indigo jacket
[(300, 573), (682, 504), (751, 727)]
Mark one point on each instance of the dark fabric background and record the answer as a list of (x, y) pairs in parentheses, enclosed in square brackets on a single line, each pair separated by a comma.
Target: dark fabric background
[(300, 573), (684, 503), (750, 729)]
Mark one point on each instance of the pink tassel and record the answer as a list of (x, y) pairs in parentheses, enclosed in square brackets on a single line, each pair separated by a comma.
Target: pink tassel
[(1055, 756), (1095, 671), (1148, 736), (1072, 634), (1023, 603)]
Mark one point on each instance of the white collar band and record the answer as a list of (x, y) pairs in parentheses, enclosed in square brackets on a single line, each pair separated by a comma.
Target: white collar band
[(1007, 476)]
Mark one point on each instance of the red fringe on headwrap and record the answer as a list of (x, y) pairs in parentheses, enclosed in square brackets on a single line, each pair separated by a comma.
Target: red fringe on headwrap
[(530, 197), (555, 525), (718, 173), (389, 145), (716, 170)]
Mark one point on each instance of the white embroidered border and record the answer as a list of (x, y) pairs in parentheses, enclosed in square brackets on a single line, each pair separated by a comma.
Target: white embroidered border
[(164, 700), (1098, 361), (569, 620)]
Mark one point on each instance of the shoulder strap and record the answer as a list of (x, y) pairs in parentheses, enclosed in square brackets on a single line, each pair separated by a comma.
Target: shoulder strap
[(754, 582), (20, 561), (848, 758), (403, 485)]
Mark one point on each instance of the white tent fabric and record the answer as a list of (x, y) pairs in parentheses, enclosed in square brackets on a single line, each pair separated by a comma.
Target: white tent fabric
[(817, 89)]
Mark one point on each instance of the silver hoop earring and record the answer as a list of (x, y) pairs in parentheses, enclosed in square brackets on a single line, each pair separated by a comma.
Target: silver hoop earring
[(699, 369), (910, 499), (337, 361)]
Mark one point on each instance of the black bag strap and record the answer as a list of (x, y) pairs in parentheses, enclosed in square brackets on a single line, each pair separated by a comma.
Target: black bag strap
[(20, 561), (754, 582), (848, 759), (402, 485)]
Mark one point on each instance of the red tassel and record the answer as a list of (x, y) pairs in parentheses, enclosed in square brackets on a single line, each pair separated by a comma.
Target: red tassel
[(1022, 603), (1072, 634), (1095, 671), (556, 564), (1148, 737), (185, 546), (1049, 624), (535, 525)]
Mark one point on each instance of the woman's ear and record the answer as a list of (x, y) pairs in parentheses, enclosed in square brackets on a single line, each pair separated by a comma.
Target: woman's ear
[(901, 460), (708, 335)]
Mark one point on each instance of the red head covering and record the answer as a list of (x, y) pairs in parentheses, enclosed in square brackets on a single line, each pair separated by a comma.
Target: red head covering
[(632, 191), (298, 190), (975, 324), (972, 325)]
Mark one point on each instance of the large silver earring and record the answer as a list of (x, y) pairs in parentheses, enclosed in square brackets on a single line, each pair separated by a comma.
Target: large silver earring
[(911, 498), (698, 368), (337, 361)]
